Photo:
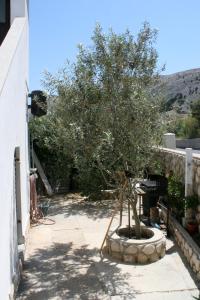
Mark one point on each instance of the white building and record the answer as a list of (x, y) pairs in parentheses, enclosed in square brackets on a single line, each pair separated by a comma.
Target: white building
[(14, 167)]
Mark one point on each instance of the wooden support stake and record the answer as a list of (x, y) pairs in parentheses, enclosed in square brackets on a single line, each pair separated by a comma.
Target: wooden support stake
[(116, 208), (121, 207), (129, 219), (42, 175)]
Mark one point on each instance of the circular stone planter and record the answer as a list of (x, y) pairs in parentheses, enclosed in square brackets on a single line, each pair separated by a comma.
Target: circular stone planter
[(146, 250)]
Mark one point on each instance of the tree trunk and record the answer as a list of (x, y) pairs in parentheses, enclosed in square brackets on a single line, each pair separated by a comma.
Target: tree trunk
[(121, 204), (136, 218)]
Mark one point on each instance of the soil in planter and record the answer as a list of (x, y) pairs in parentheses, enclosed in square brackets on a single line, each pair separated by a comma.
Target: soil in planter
[(130, 234)]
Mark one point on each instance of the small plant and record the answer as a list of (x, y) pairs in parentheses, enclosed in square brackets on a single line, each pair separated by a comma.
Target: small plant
[(175, 191), (176, 196), (191, 201)]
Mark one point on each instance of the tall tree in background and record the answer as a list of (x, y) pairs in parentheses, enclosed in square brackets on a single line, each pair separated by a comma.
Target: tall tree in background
[(195, 110), (105, 109)]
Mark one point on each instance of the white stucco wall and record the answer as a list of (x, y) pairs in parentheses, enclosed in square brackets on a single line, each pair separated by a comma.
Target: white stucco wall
[(13, 133)]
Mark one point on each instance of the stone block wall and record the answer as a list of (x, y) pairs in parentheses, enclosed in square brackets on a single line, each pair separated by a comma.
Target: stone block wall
[(141, 251), (196, 175), (175, 160)]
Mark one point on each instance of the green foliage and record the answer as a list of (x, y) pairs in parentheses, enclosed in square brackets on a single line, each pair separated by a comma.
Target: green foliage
[(170, 121), (195, 110), (110, 118), (187, 127), (191, 201), (183, 127), (103, 112), (176, 194), (53, 152)]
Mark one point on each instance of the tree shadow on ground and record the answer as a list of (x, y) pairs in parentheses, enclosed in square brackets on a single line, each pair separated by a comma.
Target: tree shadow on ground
[(66, 273), (69, 206)]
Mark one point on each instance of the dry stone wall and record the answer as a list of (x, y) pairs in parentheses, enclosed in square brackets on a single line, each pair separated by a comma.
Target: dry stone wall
[(136, 251), (175, 160), (196, 175)]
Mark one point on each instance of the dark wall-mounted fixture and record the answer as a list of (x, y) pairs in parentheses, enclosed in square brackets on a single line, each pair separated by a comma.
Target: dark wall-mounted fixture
[(38, 103)]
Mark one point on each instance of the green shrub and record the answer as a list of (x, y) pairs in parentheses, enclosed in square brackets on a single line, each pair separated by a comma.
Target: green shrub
[(187, 127), (191, 201), (176, 195), (51, 149)]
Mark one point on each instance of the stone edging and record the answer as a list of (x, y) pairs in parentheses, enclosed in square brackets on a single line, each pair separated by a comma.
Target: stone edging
[(136, 251)]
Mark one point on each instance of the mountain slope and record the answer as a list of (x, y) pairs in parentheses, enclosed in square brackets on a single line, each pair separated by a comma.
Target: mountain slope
[(179, 90)]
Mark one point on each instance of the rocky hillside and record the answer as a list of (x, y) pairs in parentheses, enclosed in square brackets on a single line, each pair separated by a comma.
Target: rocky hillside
[(180, 89)]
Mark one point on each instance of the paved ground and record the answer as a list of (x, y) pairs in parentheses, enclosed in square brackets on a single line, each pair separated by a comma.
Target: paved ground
[(63, 261)]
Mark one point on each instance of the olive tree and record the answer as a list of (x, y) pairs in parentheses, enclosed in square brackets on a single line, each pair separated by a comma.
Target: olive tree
[(104, 103)]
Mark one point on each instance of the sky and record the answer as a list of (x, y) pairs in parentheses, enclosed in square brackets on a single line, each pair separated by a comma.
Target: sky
[(57, 27)]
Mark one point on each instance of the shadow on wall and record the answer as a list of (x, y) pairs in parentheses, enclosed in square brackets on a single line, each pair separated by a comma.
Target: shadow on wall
[(70, 274)]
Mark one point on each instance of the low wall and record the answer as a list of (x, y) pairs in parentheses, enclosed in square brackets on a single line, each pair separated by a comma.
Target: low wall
[(146, 250), (175, 160), (188, 143)]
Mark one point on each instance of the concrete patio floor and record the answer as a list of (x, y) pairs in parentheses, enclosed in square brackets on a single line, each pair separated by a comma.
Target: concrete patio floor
[(63, 261)]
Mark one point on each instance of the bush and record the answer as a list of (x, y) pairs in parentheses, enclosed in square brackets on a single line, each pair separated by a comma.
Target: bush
[(176, 195), (51, 150), (187, 127), (191, 201), (195, 110)]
